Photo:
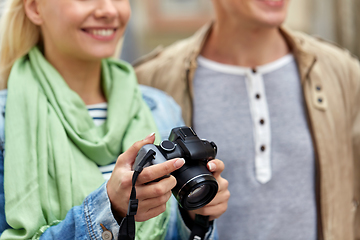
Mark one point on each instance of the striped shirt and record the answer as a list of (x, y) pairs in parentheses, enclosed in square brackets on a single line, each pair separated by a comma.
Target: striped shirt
[(98, 112)]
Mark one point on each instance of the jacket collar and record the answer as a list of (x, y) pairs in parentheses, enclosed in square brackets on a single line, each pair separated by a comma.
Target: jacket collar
[(198, 40), (304, 56)]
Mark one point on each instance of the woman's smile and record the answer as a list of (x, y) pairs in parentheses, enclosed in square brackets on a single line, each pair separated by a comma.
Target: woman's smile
[(103, 34)]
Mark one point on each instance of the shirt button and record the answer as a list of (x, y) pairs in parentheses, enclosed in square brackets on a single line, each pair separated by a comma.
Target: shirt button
[(262, 148), (106, 235), (355, 204), (262, 121), (257, 96)]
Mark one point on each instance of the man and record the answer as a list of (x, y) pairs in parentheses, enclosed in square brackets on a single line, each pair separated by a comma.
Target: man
[(284, 110)]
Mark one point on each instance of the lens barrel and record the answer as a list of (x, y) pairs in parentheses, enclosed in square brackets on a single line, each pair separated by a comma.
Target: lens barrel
[(195, 186)]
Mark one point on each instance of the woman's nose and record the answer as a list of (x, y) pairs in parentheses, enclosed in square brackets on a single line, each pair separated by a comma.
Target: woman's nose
[(106, 9)]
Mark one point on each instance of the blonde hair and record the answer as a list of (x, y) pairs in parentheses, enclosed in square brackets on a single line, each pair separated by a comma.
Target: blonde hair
[(17, 36)]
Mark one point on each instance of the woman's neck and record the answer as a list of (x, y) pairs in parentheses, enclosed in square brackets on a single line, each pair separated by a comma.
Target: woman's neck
[(237, 44), (83, 77)]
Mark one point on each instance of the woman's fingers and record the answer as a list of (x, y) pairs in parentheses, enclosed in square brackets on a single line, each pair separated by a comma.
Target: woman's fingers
[(151, 213), (219, 204), (153, 193), (221, 197), (153, 198), (223, 184), (155, 189), (147, 206), (216, 207), (127, 159), (213, 212), (159, 170), (216, 166)]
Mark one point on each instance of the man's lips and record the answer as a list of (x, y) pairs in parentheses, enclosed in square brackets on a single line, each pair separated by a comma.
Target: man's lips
[(273, 2)]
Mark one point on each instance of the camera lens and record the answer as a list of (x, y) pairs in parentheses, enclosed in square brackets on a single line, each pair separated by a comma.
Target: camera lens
[(195, 195), (198, 192), (195, 187)]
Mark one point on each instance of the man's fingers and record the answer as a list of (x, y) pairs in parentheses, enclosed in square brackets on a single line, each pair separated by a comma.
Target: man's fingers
[(159, 170), (128, 157)]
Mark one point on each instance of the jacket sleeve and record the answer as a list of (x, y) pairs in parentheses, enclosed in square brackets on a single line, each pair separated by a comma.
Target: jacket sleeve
[(3, 223), (91, 220), (355, 86)]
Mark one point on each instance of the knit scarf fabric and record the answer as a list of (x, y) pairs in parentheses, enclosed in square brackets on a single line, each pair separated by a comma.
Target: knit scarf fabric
[(53, 148)]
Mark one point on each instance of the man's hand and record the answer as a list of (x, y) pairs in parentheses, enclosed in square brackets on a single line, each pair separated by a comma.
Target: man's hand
[(152, 196)]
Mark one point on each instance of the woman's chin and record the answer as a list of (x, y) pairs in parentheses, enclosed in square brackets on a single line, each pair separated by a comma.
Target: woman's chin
[(101, 54)]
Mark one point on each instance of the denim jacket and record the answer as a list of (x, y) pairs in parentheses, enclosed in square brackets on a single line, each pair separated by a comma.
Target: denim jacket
[(83, 222)]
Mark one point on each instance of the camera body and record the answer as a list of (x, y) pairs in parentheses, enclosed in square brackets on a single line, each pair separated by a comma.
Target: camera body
[(195, 186)]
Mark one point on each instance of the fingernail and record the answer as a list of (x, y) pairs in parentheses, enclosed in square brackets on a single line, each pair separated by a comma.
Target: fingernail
[(211, 166), (179, 162), (150, 135)]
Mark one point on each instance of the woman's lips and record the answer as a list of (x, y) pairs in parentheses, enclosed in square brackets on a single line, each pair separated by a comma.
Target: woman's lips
[(101, 33)]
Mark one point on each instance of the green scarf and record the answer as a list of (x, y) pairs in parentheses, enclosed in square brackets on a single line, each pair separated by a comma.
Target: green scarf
[(53, 148)]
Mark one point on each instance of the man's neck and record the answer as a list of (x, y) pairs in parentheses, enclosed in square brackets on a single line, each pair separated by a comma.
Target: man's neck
[(245, 46)]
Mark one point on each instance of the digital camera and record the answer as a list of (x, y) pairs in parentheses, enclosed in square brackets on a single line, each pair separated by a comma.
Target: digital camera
[(195, 186)]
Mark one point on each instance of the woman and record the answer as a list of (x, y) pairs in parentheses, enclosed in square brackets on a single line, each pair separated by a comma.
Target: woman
[(54, 63)]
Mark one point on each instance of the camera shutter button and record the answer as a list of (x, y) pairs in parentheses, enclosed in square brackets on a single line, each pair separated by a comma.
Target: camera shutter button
[(167, 145)]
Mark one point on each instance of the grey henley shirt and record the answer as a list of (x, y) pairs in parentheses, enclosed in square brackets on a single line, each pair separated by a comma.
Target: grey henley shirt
[(258, 121)]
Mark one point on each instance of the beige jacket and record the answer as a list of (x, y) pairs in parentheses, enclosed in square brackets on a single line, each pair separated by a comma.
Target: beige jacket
[(330, 80)]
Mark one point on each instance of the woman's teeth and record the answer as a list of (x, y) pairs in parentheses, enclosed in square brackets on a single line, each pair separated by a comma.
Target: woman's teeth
[(102, 32)]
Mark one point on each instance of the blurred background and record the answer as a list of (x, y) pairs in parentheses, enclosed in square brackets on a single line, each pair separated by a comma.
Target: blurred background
[(162, 22)]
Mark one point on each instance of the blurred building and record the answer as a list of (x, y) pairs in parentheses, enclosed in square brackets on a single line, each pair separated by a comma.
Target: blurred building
[(162, 22)]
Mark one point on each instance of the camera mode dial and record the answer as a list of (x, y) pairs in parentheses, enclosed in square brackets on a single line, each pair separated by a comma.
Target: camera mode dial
[(167, 146)]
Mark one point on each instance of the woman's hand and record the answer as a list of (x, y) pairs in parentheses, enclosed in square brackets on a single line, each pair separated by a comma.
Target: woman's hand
[(152, 196), (219, 204)]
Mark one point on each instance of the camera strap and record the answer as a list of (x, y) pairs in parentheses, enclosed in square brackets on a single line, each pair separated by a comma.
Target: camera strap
[(200, 227), (127, 225)]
